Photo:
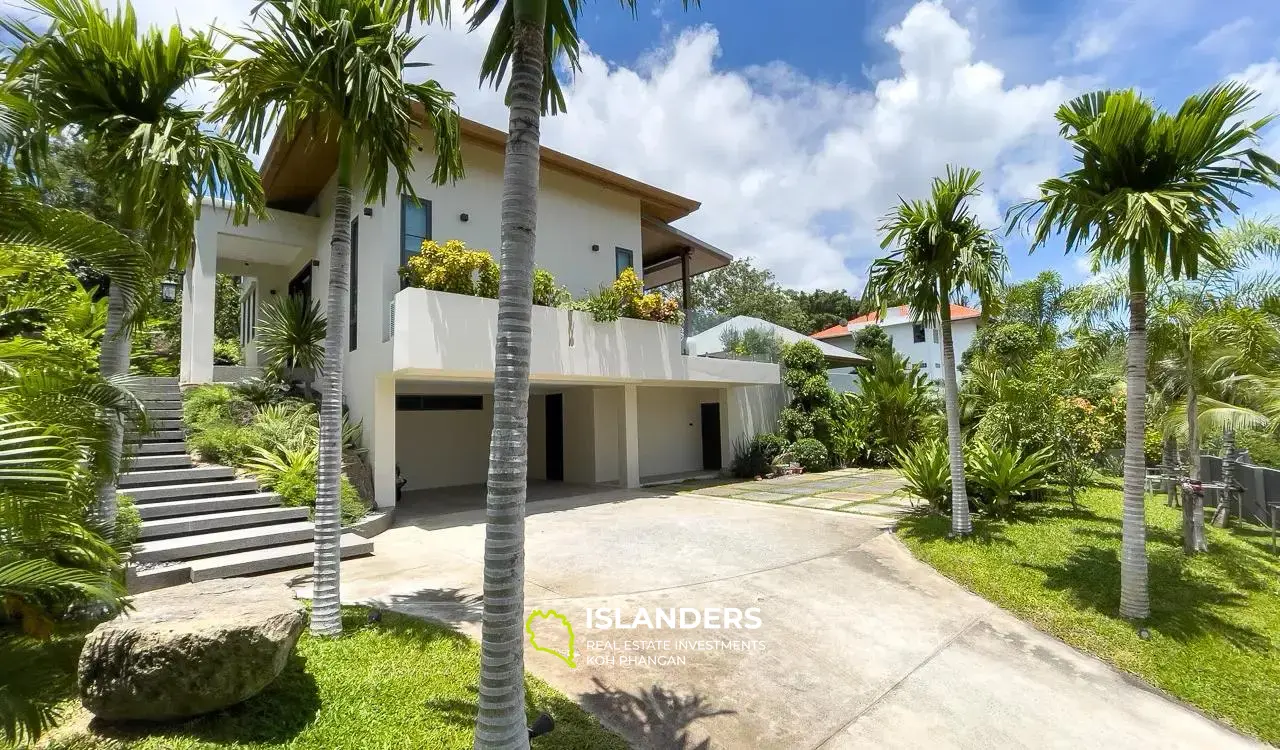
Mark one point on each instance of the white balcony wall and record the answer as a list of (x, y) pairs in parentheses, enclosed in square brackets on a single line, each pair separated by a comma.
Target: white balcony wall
[(443, 335)]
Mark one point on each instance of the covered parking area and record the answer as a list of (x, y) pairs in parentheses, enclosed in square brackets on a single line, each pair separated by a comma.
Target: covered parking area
[(582, 437)]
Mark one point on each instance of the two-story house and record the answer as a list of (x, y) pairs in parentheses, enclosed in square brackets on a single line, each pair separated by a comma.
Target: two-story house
[(611, 403), (918, 343)]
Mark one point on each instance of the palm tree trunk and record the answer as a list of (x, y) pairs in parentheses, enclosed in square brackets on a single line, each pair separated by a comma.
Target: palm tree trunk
[(113, 360), (326, 612), (1134, 598), (500, 720), (961, 524), (1193, 540)]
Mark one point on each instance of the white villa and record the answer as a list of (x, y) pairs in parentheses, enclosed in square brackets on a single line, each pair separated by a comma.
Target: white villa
[(611, 403), (918, 343)]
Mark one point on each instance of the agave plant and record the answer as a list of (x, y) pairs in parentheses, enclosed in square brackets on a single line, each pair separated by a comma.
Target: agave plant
[(290, 338), (928, 473), (1004, 474)]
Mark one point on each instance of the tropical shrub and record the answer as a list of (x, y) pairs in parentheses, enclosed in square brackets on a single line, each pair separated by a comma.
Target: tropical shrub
[(810, 454), (291, 473), (451, 267), (290, 338), (625, 298), (814, 403), (207, 405), (223, 443), (227, 352), (1002, 474), (261, 391), (927, 469), (754, 457), (898, 406), (758, 344), (871, 340), (546, 292), (128, 521)]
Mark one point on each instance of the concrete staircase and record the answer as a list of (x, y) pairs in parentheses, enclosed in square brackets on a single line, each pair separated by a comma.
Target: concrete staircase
[(202, 522)]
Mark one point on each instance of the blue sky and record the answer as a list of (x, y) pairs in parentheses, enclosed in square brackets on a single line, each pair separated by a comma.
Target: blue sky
[(797, 123), (1169, 49)]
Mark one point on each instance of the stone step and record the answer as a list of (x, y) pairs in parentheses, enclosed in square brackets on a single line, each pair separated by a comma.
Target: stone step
[(150, 477), (220, 542), (215, 504), (153, 395), (167, 413), (144, 380), (168, 404), (161, 447), (276, 558), (167, 423), (161, 461), (160, 436), (233, 519), (162, 492)]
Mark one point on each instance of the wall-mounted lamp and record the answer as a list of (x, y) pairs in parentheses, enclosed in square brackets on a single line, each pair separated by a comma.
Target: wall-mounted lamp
[(272, 292), (368, 211), (315, 263), (595, 248), (168, 289), (464, 218)]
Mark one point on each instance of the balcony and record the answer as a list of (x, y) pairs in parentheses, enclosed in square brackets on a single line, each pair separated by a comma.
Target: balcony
[(451, 336)]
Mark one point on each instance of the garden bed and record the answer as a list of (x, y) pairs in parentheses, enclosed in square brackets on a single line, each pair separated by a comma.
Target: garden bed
[(1215, 618), (401, 682)]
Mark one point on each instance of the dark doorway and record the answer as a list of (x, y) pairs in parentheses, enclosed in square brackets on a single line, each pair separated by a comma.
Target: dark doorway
[(301, 284), (555, 437), (711, 437)]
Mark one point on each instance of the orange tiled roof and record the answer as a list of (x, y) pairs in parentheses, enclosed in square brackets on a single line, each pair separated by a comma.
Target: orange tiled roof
[(958, 312)]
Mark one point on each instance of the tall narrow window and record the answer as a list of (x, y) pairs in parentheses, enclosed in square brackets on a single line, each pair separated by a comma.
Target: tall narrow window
[(623, 259), (917, 333), (415, 226), (353, 293)]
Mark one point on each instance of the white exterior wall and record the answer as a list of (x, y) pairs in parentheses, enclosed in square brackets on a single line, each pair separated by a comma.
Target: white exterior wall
[(927, 352), (671, 429)]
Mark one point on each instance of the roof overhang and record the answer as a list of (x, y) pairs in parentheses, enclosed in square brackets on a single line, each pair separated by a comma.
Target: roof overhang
[(296, 169), (662, 246)]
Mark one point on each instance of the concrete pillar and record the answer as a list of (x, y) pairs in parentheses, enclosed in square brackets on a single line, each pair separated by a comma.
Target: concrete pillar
[(686, 299), (199, 283), (380, 438), (730, 425), (629, 438)]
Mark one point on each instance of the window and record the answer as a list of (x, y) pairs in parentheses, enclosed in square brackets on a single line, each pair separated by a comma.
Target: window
[(354, 278), (415, 226), (622, 260), (917, 333), (248, 314), (935, 335), (439, 403)]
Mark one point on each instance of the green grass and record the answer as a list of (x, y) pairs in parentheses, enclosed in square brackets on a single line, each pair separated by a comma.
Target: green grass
[(400, 683), (1215, 618)]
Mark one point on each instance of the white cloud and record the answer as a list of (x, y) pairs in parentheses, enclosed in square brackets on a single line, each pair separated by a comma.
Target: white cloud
[(792, 171), (1226, 38)]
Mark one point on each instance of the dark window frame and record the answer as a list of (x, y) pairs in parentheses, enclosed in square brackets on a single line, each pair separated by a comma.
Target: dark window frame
[(618, 267), (446, 402), (353, 318), (407, 201), (917, 333)]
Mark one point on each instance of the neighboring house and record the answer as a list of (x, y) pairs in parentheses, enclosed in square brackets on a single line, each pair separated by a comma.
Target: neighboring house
[(916, 342), (610, 402), (711, 341)]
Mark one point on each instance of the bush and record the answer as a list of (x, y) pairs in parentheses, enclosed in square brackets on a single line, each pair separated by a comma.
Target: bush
[(546, 292), (262, 391), (223, 443), (207, 405), (625, 298), (810, 454), (927, 469), (754, 457), (227, 352), (128, 521), (1003, 474), (451, 267)]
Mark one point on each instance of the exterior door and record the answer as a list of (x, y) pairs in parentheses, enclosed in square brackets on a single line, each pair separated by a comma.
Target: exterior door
[(555, 437), (300, 286), (711, 437)]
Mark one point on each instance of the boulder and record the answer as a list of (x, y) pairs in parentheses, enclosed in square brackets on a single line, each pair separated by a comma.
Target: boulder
[(189, 650)]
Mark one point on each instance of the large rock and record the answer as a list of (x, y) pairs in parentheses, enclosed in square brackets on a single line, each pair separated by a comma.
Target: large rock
[(189, 650)]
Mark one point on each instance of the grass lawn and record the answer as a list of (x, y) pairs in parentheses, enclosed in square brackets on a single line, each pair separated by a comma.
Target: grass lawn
[(1215, 618), (400, 683)]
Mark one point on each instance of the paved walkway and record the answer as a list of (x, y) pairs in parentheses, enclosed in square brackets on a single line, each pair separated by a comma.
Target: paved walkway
[(868, 492), (859, 644)]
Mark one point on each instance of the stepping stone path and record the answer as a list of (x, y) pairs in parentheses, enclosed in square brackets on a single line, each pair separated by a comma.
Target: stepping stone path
[(875, 493)]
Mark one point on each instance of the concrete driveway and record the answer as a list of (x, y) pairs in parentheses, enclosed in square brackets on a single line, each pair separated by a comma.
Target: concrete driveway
[(859, 645)]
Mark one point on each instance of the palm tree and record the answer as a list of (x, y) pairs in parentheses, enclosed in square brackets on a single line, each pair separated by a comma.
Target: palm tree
[(1148, 190), (528, 39), (92, 71), (941, 249), (56, 421), (338, 65)]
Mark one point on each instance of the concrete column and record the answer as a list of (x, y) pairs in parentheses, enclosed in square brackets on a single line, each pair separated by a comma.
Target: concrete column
[(686, 301), (198, 285), (730, 425), (629, 438), (380, 437)]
